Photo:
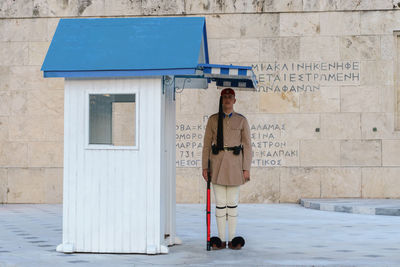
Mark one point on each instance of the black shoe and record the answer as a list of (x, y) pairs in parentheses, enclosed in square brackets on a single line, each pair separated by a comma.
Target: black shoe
[(216, 243), (236, 243)]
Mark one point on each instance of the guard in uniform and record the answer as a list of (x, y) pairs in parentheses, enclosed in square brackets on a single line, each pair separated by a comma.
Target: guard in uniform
[(228, 146)]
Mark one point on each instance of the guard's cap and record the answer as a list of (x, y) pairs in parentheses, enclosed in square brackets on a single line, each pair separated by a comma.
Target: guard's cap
[(227, 91)]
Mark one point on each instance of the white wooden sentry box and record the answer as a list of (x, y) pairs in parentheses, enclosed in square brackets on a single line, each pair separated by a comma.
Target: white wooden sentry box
[(119, 125)]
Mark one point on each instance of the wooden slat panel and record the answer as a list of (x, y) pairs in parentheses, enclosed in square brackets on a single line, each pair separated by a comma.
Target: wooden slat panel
[(112, 197)]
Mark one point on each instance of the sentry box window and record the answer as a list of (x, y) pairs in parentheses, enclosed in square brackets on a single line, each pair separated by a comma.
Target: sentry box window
[(112, 120)]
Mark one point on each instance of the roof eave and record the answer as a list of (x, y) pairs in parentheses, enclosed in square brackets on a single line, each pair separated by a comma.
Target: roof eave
[(117, 73)]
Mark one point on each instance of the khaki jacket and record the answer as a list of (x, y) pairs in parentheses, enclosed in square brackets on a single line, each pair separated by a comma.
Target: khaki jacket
[(226, 167)]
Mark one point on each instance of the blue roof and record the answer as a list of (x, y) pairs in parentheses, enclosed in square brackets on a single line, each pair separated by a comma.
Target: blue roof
[(126, 47)]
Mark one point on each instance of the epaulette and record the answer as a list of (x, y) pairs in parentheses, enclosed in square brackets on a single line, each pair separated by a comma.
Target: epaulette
[(240, 115), (215, 114)]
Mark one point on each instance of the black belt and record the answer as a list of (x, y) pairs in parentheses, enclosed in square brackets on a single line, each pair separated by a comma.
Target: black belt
[(232, 148), (236, 149)]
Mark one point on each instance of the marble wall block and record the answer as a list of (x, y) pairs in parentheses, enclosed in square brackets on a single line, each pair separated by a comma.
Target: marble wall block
[(365, 4), (379, 22), (279, 103), (223, 26), (188, 185), (247, 102), (156, 7), (263, 186), (37, 52), (34, 185), (198, 101), (340, 182), (259, 25), (122, 7), (299, 126), (202, 6), (214, 49), (360, 98), (356, 47), (4, 128), (270, 49), (13, 154), (289, 48), (360, 153), (389, 96), (24, 30), (5, 103), (239, 50), (4, 77), (54, 128), (12, 9), (327, 99), (14, 53), (387, 44), (51, 27), (19, 103), (321, 48), (319, 152), (26, 185), (383, 122), (340, 23), (299, 24), (43, 8), (296, 183), (318, 5), (286, 5), (341, 126), (279, 49), (53, 185), (26, 78), (27, 128), (390, 152), (381, 182), (45, 102), (45, 154)]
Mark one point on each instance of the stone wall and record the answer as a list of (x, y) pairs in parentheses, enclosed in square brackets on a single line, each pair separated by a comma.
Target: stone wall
[(324, 122)]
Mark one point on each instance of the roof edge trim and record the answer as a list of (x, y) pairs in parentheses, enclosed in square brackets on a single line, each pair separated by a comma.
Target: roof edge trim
[(117, 73)]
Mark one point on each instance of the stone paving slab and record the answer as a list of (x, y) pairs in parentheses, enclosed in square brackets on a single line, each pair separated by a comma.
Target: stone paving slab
[(354, 205), (276, 235)]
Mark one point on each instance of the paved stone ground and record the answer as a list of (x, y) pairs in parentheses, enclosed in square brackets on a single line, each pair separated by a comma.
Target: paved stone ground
[(276, 235), (354, 205)]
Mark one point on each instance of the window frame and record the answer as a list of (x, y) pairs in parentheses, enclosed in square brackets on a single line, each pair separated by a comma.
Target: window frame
[(87, 114)]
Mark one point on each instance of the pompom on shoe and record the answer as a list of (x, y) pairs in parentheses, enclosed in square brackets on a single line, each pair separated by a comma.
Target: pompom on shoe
[(236, 243), (216, 243)]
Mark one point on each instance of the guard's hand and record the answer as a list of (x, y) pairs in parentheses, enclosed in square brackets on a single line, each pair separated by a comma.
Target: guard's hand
[(205, 174), (246, 175)]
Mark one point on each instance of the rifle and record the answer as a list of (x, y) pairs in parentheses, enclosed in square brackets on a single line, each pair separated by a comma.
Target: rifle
[(208, 212)]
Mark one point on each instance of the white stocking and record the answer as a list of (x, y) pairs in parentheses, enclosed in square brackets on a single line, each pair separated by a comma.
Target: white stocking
[(220, 209), (232, 202)]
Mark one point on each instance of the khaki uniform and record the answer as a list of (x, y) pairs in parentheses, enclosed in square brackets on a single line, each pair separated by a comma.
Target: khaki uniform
[(226, 167)]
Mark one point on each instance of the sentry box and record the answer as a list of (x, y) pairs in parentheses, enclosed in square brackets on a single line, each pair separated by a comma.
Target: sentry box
[(119, 125)]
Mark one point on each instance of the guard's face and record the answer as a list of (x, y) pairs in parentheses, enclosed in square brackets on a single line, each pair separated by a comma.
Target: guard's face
[(228, 101)]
